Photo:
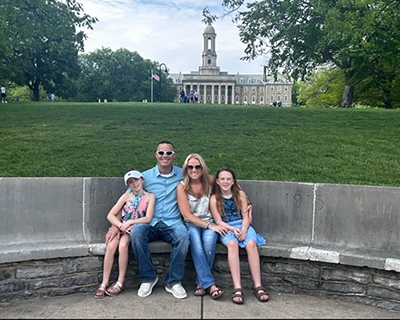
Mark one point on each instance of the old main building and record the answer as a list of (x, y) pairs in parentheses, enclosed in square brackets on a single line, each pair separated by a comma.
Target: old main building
[(218, 87)]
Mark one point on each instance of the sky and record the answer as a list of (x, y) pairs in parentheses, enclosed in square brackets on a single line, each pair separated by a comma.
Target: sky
[(169, 32)]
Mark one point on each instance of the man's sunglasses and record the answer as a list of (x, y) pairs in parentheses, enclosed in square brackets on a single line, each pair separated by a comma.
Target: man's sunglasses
[(168, 153), (195, 167)]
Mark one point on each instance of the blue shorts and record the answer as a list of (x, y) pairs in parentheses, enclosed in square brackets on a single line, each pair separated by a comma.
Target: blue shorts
[(251, 235)]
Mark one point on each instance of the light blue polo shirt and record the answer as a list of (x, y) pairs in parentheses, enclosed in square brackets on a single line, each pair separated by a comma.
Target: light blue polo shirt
[(164, 188)]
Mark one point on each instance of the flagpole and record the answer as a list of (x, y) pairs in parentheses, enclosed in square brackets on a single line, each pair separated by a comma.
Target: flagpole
[(151, 76)]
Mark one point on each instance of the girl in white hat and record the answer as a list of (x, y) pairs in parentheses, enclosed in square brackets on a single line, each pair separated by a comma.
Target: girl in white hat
[(137, 207)]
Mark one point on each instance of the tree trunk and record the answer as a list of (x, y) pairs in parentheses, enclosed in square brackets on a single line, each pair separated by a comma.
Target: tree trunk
[(348, 96), (36, 90), (387, 99)]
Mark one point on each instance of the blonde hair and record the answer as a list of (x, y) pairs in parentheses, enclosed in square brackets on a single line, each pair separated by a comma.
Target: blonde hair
[(235, 192), (205, 177)]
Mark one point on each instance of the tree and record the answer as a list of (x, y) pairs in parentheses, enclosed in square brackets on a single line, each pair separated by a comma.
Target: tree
[(43, 40), (299, 35), (119, 76), (322, 88)]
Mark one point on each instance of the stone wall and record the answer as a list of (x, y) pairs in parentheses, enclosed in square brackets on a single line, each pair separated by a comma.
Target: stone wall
[(54, 277), (334, 240)]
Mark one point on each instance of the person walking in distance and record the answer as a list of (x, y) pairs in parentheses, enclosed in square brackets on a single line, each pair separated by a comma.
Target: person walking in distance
[(3, 94)]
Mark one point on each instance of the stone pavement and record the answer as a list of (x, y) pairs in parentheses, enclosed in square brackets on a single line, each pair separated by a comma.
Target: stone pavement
[(162, 305)]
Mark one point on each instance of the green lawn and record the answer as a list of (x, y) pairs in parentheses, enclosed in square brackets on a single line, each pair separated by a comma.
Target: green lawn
[(344, 146)]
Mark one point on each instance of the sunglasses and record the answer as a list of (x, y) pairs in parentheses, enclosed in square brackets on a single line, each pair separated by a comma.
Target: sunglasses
[(168, 153), (195, 167)]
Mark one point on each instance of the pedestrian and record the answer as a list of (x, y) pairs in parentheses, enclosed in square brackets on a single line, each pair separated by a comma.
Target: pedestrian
[(182, 96), (3, 94), (191, 96), (196, 96), (226, 203), (193, 199), (167, 225), (137, 208)]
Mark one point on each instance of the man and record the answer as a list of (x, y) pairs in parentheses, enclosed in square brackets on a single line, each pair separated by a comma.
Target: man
[(3, 94), (167, 225)]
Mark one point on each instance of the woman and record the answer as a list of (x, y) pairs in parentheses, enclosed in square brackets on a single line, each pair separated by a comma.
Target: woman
[(193, 199)]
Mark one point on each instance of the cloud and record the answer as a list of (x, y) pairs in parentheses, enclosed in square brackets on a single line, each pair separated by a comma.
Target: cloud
[(166, 31)]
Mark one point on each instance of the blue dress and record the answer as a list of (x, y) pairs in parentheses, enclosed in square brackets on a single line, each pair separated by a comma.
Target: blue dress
[(234, 219)]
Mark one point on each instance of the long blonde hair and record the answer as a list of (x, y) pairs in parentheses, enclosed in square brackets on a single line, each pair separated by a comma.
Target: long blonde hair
[(235, 192), (205, 177)]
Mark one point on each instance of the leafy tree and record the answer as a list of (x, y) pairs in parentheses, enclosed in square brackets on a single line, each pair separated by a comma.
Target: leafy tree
[(359, 37), (41, 42), (119, 76), (322, 88)]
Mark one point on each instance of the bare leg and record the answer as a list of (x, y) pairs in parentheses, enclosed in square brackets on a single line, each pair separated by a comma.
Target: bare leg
[(234, 266), (255, 268), (123, 257)]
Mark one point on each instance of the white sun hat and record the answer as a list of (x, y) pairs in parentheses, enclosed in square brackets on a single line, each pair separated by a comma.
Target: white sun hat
[(132, 174)]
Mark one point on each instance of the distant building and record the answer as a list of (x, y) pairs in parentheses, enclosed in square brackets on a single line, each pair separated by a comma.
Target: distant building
[(216, 87)]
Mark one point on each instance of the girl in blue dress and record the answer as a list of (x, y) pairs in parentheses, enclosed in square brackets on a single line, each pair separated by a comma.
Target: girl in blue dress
[(227, 204)]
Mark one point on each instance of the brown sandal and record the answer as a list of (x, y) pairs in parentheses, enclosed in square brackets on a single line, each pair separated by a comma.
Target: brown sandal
[(199, 292), (259, 292), (216, 293), (99, 294), (115, 289), (238, 293)]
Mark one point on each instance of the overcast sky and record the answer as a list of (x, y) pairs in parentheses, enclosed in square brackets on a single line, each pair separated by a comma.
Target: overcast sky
[(169, 32)]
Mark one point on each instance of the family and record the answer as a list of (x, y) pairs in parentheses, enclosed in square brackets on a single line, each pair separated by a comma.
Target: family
[(187, 208)]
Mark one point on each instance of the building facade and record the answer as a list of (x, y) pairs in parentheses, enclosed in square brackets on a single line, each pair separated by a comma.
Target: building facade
[(216, 87)]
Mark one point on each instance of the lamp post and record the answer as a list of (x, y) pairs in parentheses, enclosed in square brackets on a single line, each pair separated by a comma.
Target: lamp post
[(159, 84)]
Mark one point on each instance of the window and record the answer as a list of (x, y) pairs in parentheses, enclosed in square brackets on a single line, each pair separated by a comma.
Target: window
[(250, 80)]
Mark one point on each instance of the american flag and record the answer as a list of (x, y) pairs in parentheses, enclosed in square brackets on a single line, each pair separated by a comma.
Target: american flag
[(155, 76)]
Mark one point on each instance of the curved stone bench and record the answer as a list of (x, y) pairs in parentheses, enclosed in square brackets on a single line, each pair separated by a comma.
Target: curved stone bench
[(329, 226)]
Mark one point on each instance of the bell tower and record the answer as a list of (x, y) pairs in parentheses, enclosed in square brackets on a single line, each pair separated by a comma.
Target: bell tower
[(209, 55)]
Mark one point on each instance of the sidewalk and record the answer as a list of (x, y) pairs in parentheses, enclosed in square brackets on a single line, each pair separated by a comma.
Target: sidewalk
[(162, 305)]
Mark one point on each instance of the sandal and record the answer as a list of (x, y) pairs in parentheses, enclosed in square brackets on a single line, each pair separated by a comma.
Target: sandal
[(115, 289), (99, 294), (199, 292), (260, 292), (238, 293), (216, 293)]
